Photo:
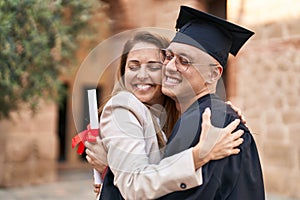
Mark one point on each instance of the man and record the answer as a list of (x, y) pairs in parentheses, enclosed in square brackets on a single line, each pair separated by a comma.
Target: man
[(193, 64)]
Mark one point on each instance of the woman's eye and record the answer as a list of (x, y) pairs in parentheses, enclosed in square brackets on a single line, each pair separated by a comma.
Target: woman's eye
[(134, 67)]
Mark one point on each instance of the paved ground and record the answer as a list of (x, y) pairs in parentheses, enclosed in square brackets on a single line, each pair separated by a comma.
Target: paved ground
[(75, 185)]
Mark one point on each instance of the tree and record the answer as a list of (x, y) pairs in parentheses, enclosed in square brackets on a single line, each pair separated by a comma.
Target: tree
[(37, 42)]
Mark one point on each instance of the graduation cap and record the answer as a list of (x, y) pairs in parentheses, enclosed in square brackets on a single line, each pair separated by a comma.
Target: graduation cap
[(212, 34)]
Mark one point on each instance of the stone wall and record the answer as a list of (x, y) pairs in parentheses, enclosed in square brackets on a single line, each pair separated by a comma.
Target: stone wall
[(29, 147), (268, 89), (269, 94)]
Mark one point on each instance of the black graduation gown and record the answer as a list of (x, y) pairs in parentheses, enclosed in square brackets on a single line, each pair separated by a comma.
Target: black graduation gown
[(109, 191), (237, 177)]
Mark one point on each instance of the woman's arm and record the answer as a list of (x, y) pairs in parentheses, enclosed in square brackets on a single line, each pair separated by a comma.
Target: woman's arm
[(215, 149), (134, 156)]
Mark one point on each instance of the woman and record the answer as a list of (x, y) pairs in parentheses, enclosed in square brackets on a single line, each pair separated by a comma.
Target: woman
[(130, 129)]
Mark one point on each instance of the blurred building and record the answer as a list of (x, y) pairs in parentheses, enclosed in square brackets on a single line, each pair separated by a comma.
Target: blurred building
[(263, 80), (267, 87)]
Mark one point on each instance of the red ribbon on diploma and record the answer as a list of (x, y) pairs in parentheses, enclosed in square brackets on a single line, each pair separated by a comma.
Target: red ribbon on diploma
[(81, 137)]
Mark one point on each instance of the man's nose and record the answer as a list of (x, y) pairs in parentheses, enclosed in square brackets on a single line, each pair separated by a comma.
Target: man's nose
[(171, 65)]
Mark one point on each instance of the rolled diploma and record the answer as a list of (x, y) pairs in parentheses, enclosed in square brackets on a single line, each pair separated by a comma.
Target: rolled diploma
[(94, 123)]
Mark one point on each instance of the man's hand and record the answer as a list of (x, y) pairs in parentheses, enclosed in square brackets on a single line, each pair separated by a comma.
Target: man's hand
[(97, 189)]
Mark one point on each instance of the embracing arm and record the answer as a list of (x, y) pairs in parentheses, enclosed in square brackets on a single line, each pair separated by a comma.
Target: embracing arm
[(218, 144), (132, 158), (215, 143)]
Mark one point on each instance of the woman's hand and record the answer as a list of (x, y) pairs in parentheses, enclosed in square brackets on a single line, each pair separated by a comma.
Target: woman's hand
[(96, 154), (216, 143)]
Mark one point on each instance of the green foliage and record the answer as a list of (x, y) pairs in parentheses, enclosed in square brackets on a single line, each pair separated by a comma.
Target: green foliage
[(37, 41)]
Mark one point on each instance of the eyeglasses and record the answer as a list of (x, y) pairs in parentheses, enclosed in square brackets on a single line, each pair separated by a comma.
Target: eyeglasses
[(182, 63)]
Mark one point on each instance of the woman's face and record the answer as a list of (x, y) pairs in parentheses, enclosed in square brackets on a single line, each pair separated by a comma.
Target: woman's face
[(143, 73)]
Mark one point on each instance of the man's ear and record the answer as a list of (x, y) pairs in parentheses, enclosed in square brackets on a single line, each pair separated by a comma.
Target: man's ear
[(216, 73)]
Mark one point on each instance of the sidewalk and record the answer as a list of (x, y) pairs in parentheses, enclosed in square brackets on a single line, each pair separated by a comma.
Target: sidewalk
[(74, 184)]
